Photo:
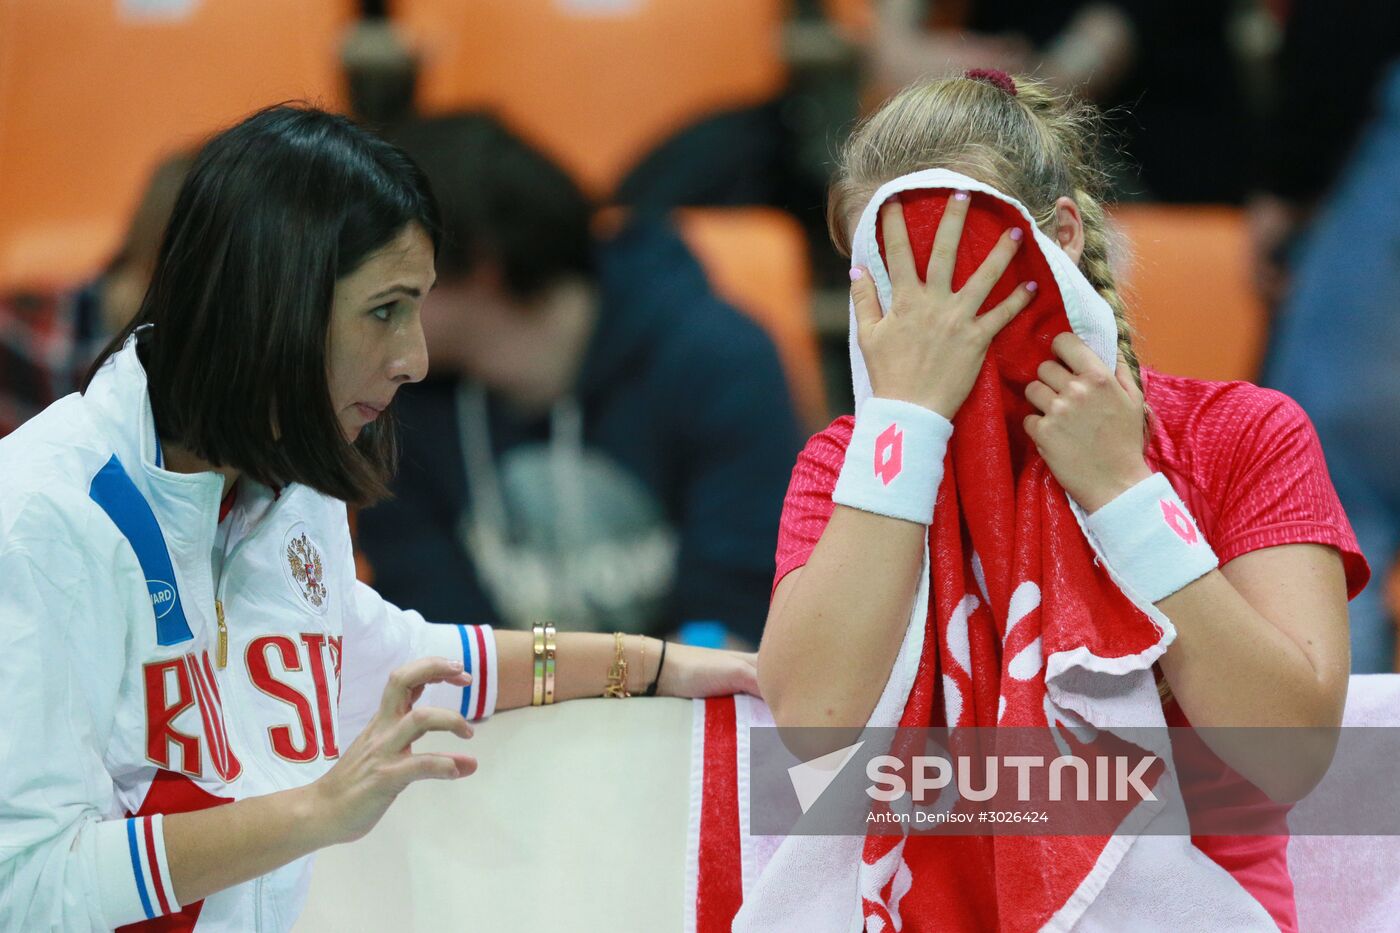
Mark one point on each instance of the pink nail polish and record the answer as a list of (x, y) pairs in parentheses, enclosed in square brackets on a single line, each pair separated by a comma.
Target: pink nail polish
[(960, 195), (1032, 287), (1016, 234), (857, 273)]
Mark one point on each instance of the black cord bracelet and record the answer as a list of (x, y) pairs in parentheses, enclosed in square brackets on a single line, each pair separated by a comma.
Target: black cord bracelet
[(651, 691)]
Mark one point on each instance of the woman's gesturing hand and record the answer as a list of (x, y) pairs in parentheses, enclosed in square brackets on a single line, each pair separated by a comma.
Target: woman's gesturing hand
[(1090, 430), (380, 763), (929, 348), (705, 672)]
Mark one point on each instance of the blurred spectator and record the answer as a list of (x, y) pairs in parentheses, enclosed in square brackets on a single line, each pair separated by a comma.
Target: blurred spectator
[(601, 441), (123, 286), (47, 342), (49, 339), (1168, 61), (717, 140), (1331, 64), (735, 157), (381, 73), (1337, 334)]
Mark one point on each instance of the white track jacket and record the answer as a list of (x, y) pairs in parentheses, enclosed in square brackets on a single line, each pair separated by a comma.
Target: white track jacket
[(119, 705)]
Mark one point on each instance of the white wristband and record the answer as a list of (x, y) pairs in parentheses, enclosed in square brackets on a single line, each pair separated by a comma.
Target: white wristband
[(894, 463), (1151, 541)]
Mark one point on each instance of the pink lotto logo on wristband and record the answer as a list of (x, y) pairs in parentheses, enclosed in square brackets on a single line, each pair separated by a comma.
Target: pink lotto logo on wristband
[(889, 454), (886, 434), (1178, 521), (1150, 541)]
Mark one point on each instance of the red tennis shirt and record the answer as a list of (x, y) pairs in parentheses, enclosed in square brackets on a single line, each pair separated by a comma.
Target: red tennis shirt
[(1248, 464)]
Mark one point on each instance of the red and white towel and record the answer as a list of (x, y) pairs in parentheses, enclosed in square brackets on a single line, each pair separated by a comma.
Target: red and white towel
[(1026, 626)]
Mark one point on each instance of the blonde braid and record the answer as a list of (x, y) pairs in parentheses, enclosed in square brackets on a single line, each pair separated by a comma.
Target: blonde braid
[(1096, 264)]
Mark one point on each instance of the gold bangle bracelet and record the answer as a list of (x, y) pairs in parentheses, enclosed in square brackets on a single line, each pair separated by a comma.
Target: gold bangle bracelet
[(617, 674), (549, 649), (538, 696)]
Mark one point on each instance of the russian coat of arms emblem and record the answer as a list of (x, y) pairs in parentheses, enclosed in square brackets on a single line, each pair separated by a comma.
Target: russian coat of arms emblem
[(304, 562)]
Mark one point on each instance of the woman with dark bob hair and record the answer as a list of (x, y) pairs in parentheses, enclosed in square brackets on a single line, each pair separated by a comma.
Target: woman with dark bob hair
[(202, 694)]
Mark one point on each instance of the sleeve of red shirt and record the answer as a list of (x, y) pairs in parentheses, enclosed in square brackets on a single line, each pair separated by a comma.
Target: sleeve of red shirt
[(808, 506), (1274, 484)]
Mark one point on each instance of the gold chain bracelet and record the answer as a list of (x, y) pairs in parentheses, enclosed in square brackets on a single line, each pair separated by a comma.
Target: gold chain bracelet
[(617, 674)]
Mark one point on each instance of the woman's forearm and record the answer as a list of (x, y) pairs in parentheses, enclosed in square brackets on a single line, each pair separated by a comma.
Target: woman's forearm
[(1232, 670), (1230, 666), (209, 850), (582, 662), (836, 625)]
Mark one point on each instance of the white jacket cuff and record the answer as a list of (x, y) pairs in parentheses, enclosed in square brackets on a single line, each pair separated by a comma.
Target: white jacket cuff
[(133, 878), (475, 647)]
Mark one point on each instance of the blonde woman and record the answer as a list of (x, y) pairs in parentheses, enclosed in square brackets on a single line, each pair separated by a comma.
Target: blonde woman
[(1261, 640)]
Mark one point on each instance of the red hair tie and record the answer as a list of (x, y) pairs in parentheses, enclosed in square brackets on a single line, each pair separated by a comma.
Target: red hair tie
[(994, 77)]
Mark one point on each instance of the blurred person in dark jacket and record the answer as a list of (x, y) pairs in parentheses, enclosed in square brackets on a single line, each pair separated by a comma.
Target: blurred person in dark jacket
[(1332, 169), (1168, 63), (1325, 93), (601, 441)]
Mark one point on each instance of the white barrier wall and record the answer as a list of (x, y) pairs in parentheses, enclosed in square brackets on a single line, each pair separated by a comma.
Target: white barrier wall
[(574, 822)]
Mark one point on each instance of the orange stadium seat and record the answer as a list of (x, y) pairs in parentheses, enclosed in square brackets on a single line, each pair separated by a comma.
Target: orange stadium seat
[(94, 92), (595, 83), (756, 259), (1186, 280)]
